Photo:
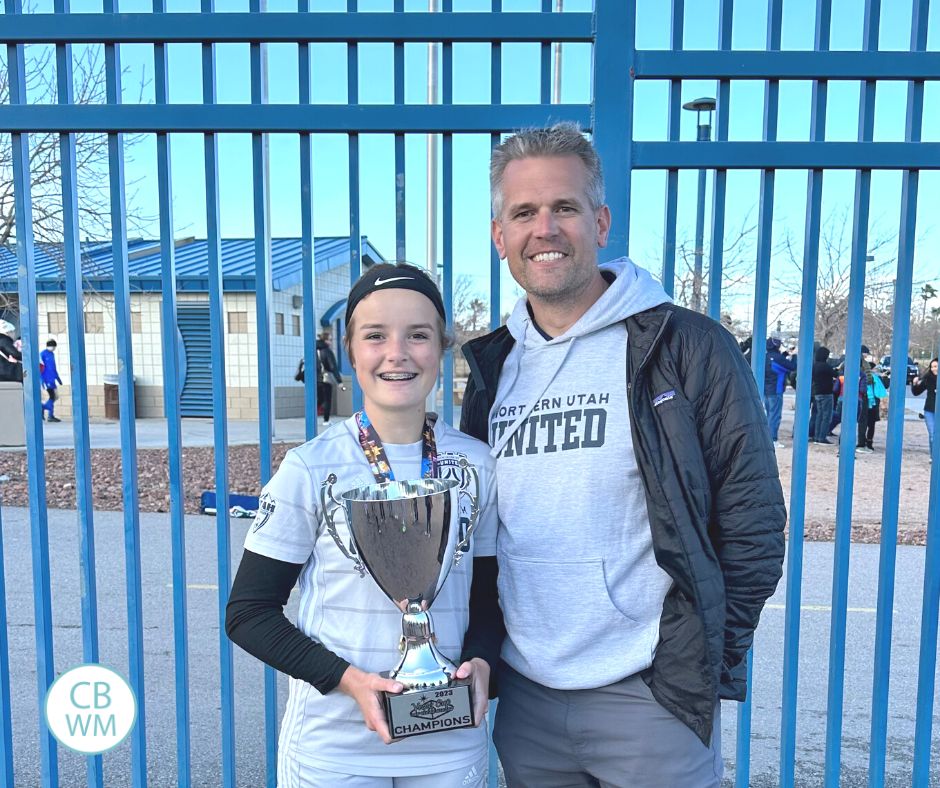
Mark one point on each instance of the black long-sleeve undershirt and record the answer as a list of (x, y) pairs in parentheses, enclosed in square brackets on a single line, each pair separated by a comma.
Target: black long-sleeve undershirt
[(255, 620), (486, 630)]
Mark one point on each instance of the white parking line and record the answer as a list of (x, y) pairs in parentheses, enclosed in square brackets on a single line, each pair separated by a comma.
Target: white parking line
[(825, 608)]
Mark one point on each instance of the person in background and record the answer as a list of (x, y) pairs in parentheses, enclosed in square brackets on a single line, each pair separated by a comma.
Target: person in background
[(823, 376), (875, 391), (928, 382), (11, 359), (776, 368), (50, 379), (327, 371)]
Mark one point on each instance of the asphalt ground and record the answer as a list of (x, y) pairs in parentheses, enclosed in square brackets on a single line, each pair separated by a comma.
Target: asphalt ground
[(203, 650)]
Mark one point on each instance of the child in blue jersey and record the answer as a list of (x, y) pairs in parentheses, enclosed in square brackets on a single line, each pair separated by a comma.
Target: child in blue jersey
[(334, 731), (50, 380)]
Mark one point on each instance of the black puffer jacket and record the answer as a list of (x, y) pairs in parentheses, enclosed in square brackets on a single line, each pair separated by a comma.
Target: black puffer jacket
[(713, 495)]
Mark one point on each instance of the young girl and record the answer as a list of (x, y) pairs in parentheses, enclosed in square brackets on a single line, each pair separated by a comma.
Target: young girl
[(334, 731)]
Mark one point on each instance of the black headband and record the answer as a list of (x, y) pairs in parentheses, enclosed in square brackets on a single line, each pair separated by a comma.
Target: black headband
[(386, 276)]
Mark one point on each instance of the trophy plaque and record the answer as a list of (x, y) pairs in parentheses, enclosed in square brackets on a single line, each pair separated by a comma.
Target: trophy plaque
[(408, 535)]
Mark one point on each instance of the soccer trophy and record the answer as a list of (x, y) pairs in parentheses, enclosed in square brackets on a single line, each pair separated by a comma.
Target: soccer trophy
[(408, 535)]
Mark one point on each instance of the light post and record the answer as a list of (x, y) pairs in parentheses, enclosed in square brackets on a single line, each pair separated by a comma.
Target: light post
[(703, 108)]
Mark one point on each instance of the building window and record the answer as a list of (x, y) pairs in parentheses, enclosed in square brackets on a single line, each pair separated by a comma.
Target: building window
[(279, 323), (238, 322), (137, 323), (295, 319), (94, 322), (56, 322)]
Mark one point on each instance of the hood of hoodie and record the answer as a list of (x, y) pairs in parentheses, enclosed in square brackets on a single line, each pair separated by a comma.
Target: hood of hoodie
[(822, 353), (633, 290)]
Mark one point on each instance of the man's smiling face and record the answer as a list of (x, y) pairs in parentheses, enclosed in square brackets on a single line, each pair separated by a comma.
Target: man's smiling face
[(548, 231)]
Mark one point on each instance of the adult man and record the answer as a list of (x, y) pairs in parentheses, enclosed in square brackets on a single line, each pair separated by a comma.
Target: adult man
[(50, 379), (641, 514), (326, 369)]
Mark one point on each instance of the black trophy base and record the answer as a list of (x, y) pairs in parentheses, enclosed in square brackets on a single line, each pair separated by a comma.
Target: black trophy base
[(416, 712)]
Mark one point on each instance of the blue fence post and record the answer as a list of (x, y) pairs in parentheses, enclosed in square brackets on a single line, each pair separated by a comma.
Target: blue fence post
[(791, 636), (79, 373), (35, 453), (613, 113)]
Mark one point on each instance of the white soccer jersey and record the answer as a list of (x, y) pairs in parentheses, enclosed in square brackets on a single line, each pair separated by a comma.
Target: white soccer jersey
[(350, 615)]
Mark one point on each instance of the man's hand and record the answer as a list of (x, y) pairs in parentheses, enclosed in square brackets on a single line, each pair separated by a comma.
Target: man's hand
[(478, 671), (364, 688)]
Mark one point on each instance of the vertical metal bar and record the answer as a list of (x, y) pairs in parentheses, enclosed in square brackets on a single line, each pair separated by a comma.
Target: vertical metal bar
[(791, 637), (398, 54), (545, 62), (172, 386), (496, 97), (742, 764), (895, 426), (699, 250), (263, 286), (219, 411), (614, 49), (6, 710), (765, 213), (853, 341), (673, 122), (127, 404), (35, 453), (355, 227), (308, 242), (447, 225), (720, 179), (759, 326), (496, 92), (930, 607), (79, 374)]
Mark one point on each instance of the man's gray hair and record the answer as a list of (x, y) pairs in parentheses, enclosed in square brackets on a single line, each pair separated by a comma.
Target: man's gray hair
[(562, 139)]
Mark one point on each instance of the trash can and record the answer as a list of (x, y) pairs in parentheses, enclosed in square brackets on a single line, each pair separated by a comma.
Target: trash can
[(112, 401), (13, 432)]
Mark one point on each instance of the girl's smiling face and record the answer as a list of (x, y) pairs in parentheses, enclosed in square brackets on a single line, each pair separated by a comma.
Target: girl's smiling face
[(395, 346)]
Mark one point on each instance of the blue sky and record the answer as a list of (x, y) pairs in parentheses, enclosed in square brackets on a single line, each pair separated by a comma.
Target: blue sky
[(520, 83)]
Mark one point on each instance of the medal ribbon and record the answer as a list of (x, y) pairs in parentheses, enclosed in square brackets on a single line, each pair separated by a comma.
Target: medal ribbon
[(372, 447)]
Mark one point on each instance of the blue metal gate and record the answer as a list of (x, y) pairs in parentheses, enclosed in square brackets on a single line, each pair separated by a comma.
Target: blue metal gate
[(609, 116)]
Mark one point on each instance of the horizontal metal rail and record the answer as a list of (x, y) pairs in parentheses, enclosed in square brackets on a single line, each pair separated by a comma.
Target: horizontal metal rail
[(823, 65), (785, 155), (274, 118), (196, 28)]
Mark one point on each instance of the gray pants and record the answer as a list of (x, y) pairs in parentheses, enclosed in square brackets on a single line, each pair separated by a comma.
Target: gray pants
[(616, 736)]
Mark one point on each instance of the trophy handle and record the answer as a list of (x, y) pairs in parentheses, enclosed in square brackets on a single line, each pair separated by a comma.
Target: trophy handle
[(330, 505), (474, 496)]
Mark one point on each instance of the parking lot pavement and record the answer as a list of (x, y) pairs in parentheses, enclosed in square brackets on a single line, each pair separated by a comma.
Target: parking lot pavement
[(203, 647)]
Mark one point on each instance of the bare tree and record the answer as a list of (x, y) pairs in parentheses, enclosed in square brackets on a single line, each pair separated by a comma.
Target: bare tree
[(94, 203), (736, 270), (833, 279)]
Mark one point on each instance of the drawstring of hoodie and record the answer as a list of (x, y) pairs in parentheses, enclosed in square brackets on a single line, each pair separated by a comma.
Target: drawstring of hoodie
[(516, 355)]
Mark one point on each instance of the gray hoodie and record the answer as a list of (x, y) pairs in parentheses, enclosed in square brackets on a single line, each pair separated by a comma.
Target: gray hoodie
[(579, 586)]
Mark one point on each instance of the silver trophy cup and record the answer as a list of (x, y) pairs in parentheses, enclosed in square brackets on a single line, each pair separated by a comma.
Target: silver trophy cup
[(408, 535)]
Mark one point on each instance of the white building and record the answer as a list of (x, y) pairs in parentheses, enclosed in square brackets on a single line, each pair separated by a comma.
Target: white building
[(331, 256)]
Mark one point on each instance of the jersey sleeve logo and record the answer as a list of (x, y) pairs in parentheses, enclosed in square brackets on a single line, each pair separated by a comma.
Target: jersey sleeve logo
[(266, 506)]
